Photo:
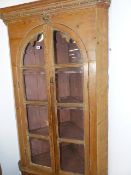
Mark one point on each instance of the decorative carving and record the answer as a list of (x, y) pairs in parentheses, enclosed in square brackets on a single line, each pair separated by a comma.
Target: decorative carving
[(50, 9), (46, 18), (65, 36)]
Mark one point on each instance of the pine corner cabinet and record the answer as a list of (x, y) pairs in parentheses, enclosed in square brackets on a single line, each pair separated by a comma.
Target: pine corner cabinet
[(59, 56)]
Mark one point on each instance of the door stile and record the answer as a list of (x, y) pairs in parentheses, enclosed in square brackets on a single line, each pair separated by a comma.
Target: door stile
[(86, 118), (54, 125), (52, 99)]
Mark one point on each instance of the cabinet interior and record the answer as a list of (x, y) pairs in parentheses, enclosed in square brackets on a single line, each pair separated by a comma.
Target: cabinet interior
[(68, 70)]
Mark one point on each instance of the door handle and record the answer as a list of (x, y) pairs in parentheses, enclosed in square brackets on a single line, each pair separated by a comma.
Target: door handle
[(51, 80)]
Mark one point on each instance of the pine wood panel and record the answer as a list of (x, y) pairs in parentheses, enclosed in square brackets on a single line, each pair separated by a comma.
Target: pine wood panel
[(102, 90)]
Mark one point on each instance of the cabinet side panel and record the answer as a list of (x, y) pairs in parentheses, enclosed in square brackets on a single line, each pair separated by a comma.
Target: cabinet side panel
[(93, 118), (13, 50), (17, 32), (102, 90)]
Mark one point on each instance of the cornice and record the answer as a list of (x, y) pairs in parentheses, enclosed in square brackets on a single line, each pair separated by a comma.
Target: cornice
[(29, 9)]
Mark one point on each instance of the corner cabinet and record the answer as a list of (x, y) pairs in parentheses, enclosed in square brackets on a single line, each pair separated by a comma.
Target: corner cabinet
[(59, 55)]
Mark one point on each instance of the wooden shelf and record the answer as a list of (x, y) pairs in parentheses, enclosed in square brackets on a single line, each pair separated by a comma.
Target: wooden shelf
[(41, 131), (42, 159), (67, 130), (70, 65), (70, 130), (72, 158), (69, 99), (69, 70)]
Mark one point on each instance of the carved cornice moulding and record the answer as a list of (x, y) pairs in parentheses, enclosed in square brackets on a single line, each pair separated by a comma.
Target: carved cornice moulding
[(29, 9)]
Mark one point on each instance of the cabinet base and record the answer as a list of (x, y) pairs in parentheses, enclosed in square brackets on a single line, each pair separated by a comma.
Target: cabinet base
[(32, 171), (26, 173)]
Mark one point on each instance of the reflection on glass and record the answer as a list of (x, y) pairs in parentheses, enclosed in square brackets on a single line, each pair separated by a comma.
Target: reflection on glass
[(65, 49), (34, 52), (37, 117), (40, 152), (72, 157), (70, 123), (69, 85), (35, 85)]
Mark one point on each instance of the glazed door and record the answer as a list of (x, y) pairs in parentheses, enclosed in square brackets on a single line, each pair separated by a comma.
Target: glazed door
[(69, 77), (54, 73)]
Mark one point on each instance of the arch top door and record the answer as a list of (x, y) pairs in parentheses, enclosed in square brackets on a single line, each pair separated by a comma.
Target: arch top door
[(54, 73)]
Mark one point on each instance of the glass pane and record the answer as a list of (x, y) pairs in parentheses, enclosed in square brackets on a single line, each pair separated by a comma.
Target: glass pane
[(72, 157), (69, 85), (40, 152), (37, 117), (35, 85), (34, 52), (65, 49), (71, 124)]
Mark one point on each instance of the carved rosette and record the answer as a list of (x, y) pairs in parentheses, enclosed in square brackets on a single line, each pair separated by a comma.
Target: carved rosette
[(50, 8), (46, 18)]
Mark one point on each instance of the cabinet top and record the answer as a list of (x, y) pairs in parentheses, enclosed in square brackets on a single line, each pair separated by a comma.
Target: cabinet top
[(14, 13)]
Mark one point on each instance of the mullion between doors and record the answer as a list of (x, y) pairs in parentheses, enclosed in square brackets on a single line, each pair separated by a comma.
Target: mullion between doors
[(51, 98)]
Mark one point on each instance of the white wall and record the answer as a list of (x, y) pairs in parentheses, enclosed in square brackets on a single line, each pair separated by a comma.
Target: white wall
[(119, 94), (9, 154), (120, 88), (7, 3)]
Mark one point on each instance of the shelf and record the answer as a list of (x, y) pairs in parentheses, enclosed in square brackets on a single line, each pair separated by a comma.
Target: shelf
[(40, 151), (71, 65), (72, 157), (69, 70), (69, 99), (42, 159), (70, 130), (70, 105), (66, 130), (41, 131)]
